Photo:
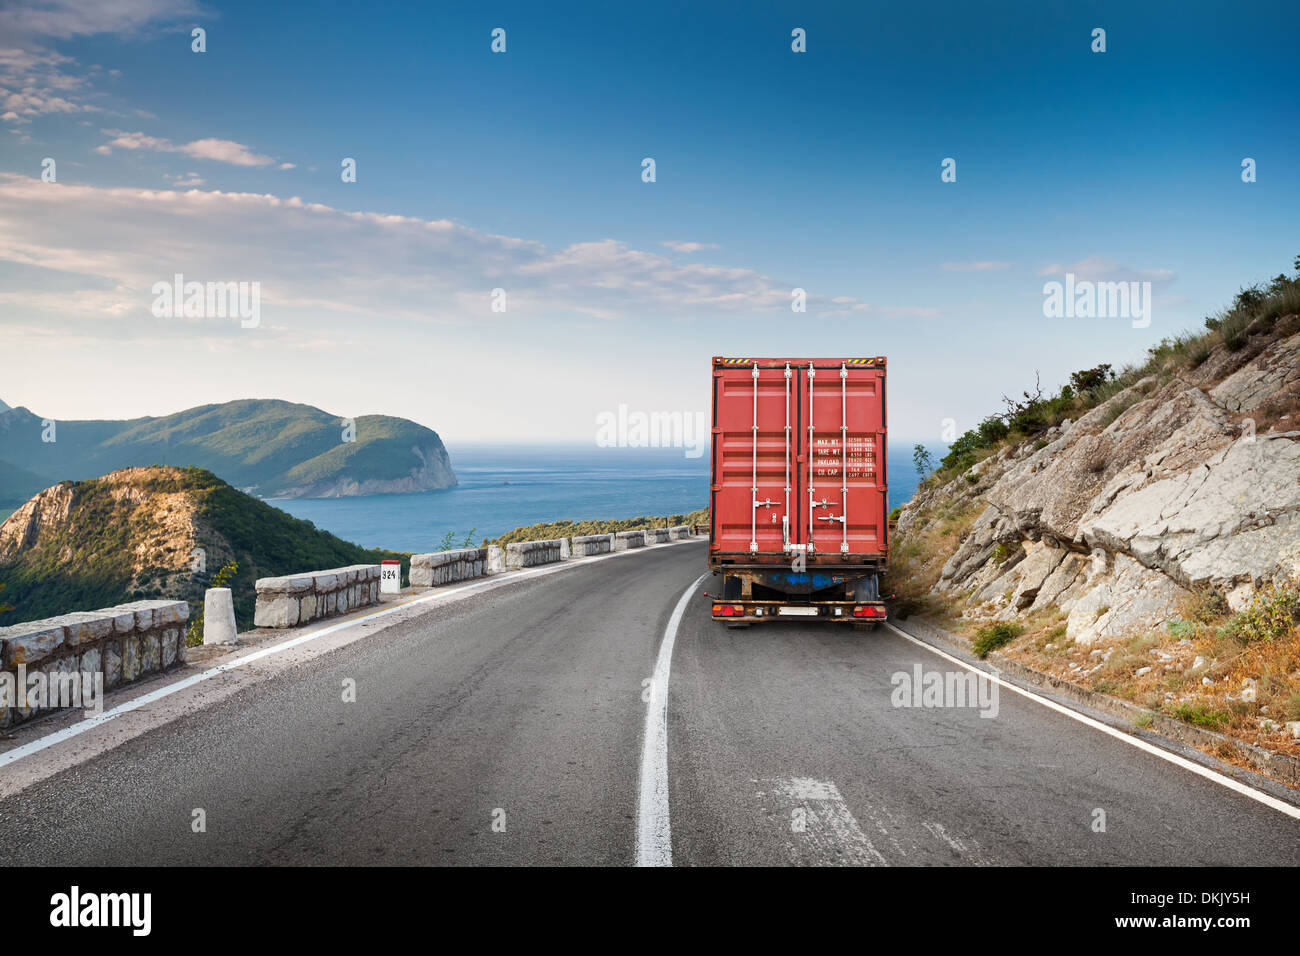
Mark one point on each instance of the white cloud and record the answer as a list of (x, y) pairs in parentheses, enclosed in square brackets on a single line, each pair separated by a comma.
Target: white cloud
[(67, 19), (985, 266), (1097, 269), (678, 245), (217, 150), (36, 82), (189, 179), (312, 256)]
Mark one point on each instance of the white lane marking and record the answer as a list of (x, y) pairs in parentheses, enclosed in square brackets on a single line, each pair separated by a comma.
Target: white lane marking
[(937, 830), (90, 723), (654, 836), (1235, 785), (825, 832)]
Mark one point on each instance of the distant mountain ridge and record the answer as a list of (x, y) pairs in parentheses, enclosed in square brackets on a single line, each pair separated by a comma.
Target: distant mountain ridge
[(270, 448)]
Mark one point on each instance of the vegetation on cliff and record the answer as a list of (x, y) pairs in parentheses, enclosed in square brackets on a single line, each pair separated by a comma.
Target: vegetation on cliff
[(151, 533), (1136, 532), (1249, 321), (569, 529)]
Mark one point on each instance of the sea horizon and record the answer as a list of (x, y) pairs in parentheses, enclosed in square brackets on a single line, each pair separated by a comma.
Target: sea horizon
[(503, 486)]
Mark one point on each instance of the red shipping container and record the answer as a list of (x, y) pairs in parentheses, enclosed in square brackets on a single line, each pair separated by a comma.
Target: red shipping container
[(799, 464)]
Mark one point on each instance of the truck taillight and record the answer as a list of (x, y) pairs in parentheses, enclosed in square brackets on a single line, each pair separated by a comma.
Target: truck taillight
[(869, 610), (728, 610)]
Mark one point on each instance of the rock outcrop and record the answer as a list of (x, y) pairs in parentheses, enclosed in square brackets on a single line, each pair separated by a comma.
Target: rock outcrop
[(1184, 480)]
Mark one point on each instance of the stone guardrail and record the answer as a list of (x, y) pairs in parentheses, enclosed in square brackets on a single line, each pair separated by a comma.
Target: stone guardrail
[(529, 554), (586, 545), (300, 598), (118, 644), (626, 540), (124, 643), (446, 567)]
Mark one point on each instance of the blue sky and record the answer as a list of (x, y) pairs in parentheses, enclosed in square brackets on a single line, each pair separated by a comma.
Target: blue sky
[(774, 170)]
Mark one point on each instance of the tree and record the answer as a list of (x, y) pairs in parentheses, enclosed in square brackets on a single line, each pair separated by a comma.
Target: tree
[(921, 458), (1089, 378), (3, 606)]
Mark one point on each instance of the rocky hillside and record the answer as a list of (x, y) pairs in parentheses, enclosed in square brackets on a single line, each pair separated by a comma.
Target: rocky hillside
[(1160, 505), (269, 448), (152, 532)]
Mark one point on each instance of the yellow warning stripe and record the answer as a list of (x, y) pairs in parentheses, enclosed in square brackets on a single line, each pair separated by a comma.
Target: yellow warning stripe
[(878, 360)]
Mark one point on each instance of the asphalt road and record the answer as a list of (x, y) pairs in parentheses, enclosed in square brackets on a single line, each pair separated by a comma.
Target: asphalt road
[(507, 729)]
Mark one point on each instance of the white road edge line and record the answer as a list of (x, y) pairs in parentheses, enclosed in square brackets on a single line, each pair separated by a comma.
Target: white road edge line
[(90, 723), (654, 835), (1236, 785)]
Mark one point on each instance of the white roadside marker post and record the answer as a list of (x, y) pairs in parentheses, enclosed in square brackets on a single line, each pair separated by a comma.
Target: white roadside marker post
[(390, 578), (218, 617)]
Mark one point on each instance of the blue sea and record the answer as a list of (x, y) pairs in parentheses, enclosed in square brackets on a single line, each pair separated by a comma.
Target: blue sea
[(504, 487)]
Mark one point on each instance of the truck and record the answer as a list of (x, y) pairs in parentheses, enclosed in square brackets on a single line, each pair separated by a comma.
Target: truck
[(798, 491)]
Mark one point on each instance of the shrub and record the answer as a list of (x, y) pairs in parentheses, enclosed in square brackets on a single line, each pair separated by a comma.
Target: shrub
[(993, 430), (1201, 716), (1293, 707), (1272, 615), (992, 636), (1205, 606), (1088, 379)]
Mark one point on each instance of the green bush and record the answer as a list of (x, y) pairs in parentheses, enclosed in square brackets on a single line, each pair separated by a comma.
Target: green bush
[(1201, 716), (992, 636), (1272, 615)]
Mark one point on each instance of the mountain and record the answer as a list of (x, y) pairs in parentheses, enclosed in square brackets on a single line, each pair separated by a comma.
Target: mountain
[(133, 534), (3, 407), (269, 448), (18, 484), (1138, 533)]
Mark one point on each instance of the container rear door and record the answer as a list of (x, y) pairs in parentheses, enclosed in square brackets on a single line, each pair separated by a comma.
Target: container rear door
[(842, 484), (753, 459)]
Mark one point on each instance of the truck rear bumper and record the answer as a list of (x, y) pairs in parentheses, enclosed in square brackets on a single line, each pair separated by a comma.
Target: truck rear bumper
[(748, 612)]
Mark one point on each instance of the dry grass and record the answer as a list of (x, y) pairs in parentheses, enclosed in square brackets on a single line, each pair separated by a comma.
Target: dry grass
[(1166, 670), (917, 559)]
